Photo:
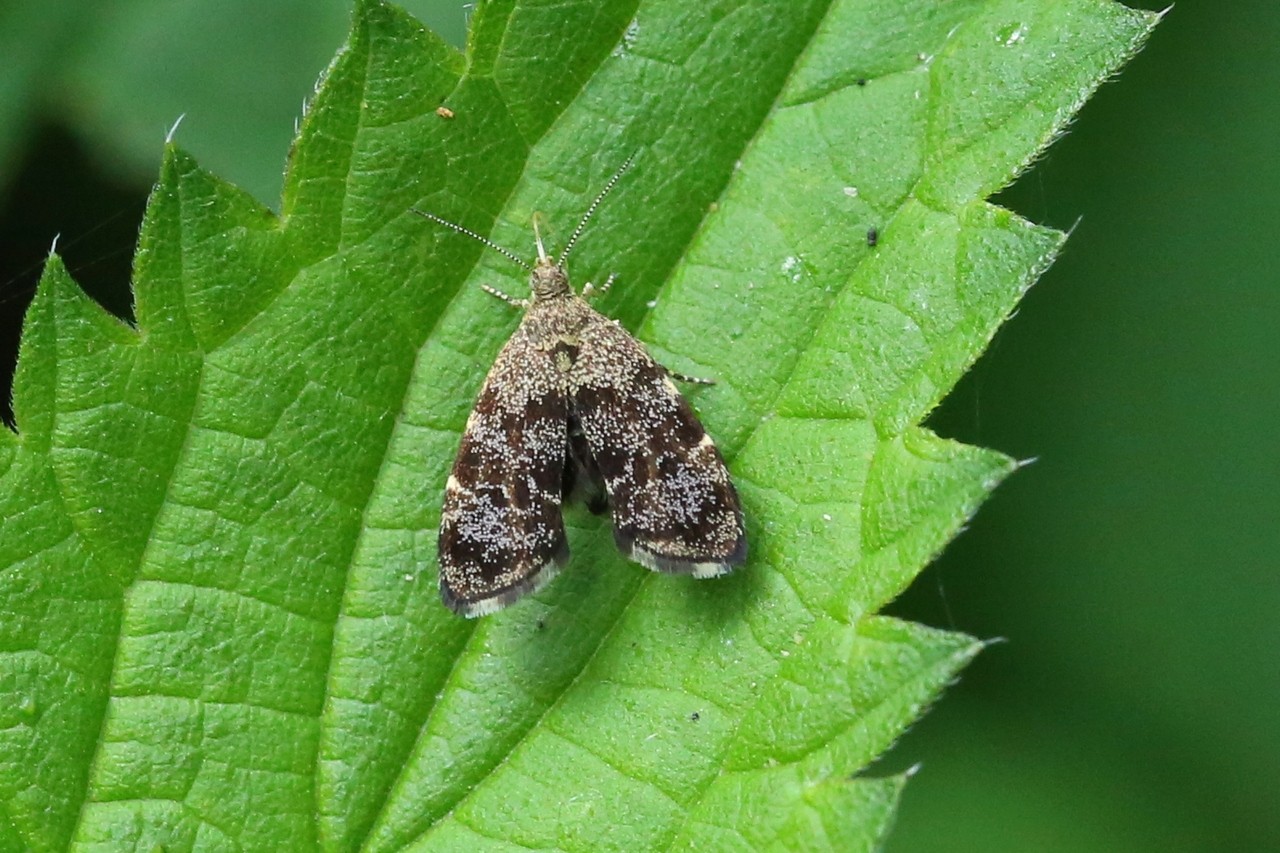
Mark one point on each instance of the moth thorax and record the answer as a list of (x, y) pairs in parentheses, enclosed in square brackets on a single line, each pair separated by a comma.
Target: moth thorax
[(548, 280)]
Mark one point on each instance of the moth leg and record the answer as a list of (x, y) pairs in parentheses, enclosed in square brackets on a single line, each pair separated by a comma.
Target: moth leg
[(589, 290), (693, 380), (505, 297), (598, 503)]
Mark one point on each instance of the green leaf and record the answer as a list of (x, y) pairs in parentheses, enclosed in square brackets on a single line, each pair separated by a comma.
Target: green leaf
[(219, 625)]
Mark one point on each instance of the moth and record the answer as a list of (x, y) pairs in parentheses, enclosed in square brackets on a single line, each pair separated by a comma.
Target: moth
[(574, 406)]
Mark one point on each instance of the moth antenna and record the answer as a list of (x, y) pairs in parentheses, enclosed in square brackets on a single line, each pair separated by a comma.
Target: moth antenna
[(586, 217), (506, 253)]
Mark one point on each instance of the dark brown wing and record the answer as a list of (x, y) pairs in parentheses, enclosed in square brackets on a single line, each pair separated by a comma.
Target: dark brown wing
[(674, 506), (501, 534)]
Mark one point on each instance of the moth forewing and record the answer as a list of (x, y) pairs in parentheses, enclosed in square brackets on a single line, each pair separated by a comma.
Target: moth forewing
[(501, 534), (674, 505)]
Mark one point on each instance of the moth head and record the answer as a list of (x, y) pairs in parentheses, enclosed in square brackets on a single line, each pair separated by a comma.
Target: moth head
[(548, 278), (547, 281)]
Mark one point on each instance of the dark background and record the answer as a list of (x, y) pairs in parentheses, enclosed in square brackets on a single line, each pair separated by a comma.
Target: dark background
[(1135, 704)]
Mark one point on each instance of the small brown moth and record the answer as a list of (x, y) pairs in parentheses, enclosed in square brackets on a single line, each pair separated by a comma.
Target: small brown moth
[(574, 405)]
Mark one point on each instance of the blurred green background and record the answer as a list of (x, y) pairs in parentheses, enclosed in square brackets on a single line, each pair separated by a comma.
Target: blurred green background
[(1135, 704)]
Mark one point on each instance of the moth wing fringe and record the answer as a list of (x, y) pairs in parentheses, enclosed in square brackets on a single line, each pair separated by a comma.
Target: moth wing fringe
[(528, 585), (676, 566)]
